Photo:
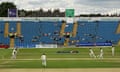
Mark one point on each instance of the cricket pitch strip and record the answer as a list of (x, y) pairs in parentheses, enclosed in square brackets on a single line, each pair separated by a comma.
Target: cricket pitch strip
[(63, 70)]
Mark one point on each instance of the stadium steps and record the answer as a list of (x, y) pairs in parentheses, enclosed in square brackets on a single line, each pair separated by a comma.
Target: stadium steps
[(119, 43), (62, 29), (6, 29), (12, 42), (118, 29), (74, 32), (66, 42), (18, 28)]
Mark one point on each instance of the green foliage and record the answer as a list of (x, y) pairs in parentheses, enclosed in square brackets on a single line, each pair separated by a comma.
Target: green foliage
[(4, 6)]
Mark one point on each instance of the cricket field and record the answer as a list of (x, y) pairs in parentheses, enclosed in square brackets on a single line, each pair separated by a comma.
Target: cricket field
[(59, 60)]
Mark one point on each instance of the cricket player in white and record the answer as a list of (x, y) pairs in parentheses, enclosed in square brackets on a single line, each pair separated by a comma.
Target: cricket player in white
[(101, 53), (113, 49), (43, 58), (14, 53), (92, 55)]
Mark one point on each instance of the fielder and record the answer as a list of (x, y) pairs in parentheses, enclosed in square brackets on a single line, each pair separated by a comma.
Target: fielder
[(92, 55), (43, 58), (14, 53), (101, 53), (113, 50)]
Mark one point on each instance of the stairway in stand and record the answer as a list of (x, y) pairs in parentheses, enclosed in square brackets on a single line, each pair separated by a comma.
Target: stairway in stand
[(62, 29), (74, 32)]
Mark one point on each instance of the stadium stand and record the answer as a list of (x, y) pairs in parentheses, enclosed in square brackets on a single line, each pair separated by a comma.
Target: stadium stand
[(49, 32)]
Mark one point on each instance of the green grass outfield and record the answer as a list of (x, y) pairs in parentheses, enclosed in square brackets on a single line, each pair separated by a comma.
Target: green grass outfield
[(30, 58)]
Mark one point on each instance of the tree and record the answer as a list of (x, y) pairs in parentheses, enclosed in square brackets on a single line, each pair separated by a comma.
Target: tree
[(56, 13), (4, 6), (22, 13)]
